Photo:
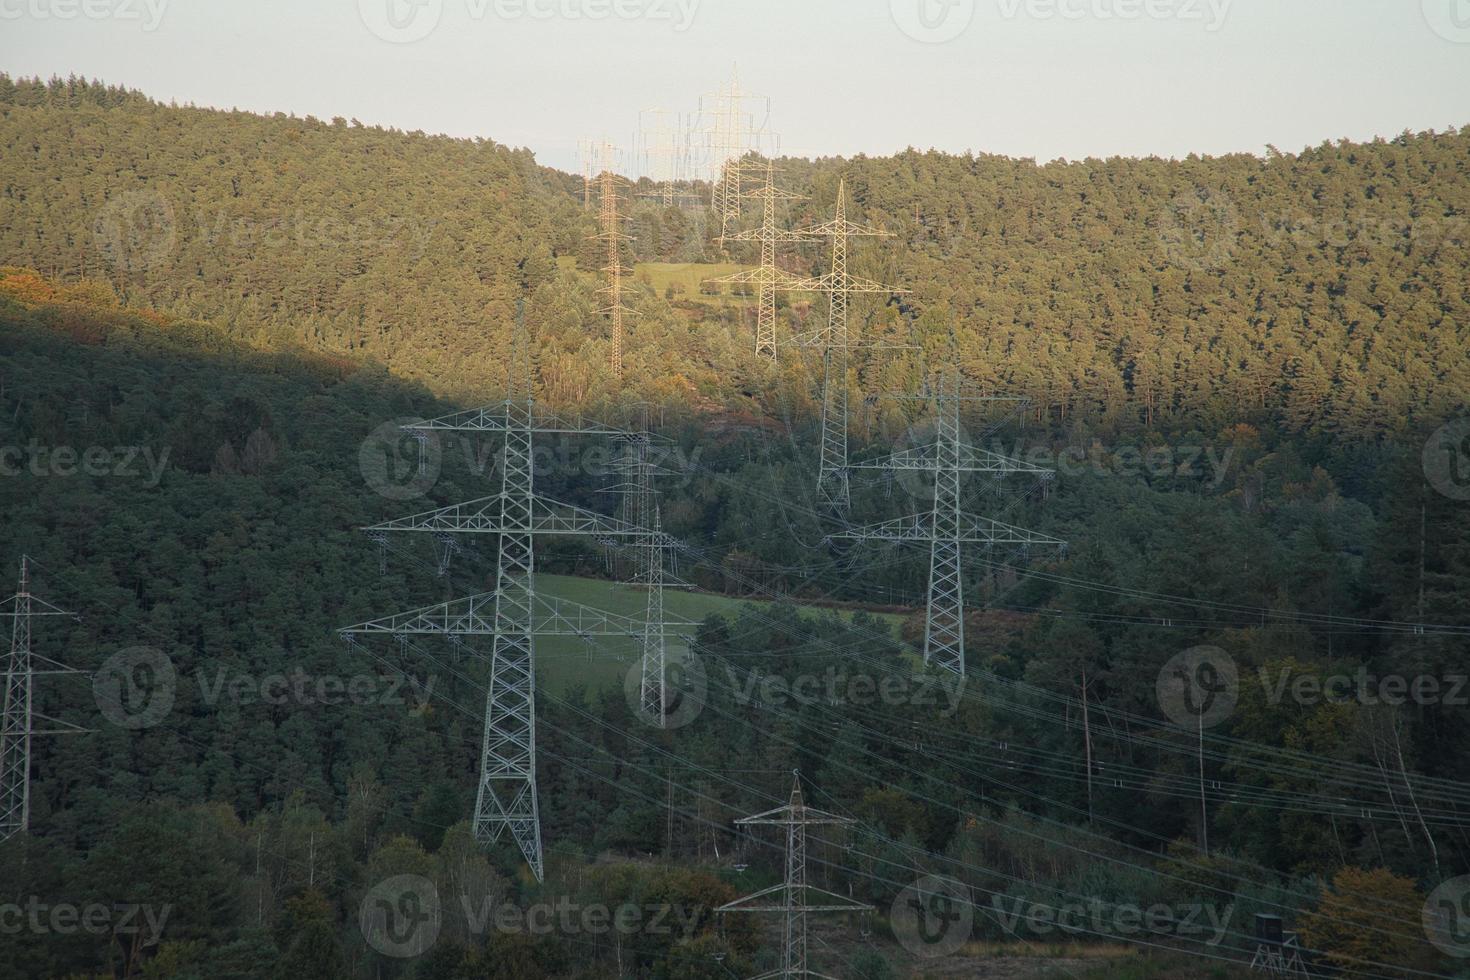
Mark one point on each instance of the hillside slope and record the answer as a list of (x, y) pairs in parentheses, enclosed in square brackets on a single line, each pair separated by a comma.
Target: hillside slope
[(1328, 292)]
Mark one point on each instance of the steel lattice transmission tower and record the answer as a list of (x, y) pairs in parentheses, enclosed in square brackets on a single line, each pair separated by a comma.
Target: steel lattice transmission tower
[(513, 614), (663, 146), (20, 719), (732, 134), (946, 527), (653, 553), (794, 899), (766, 277), (834, 343), (610, 224)]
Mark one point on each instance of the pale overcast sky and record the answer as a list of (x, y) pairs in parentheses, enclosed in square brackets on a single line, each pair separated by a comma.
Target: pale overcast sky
[(1037, 78)]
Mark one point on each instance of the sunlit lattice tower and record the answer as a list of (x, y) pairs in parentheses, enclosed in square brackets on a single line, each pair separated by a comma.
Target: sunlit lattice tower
[(660, 143), (21, 721), (610, 233), (588, 154), (945, 527), (653, 554), (794, 899), (766, 277), (833, 341), (732, 132), (513, 614)]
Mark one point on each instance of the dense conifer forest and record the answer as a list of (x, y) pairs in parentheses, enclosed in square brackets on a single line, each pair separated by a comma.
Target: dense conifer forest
[(1235, 364)]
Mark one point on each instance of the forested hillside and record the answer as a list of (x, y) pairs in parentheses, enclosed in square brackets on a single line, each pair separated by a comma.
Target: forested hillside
[(1232, 362), (1324, 291)]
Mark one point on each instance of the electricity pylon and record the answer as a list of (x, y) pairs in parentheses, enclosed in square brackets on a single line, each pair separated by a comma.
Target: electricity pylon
[(610, 223), (588, 154), (946, 528), (766, 277), (732, 134), (794, 899), (640, 508), (517, 515), (834, 344), (20, 718), (662, 148)]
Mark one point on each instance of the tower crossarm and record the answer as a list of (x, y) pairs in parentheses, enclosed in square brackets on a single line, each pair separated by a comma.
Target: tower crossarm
[(784, 236), (13, 607), (832, 282), (492, 418), (847, 229), (971, 529), (775, 278), (971, 460), (475, 616), (484, 516), (810, 897)]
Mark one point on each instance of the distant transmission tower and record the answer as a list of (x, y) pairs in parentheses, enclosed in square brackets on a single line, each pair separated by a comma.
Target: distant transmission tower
[(653, 554), (587, 156), (20, 719), (513, 614), (793, 898), (661, 147), (767, 278), (946, 528), (834, 344), (610, 223), (732, 133)]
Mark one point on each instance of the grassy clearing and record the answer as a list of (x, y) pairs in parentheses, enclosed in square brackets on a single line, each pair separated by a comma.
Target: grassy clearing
[(565, 660), (689, 276)]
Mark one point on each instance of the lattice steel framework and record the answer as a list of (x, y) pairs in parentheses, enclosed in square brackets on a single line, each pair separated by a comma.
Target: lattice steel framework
[(665, 148), (794, 899), (732, 134), (767, 279), (610, 224), (834, 343), (19, 721), (653, 553), (946, 527), (513, 614), (587, 155)]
